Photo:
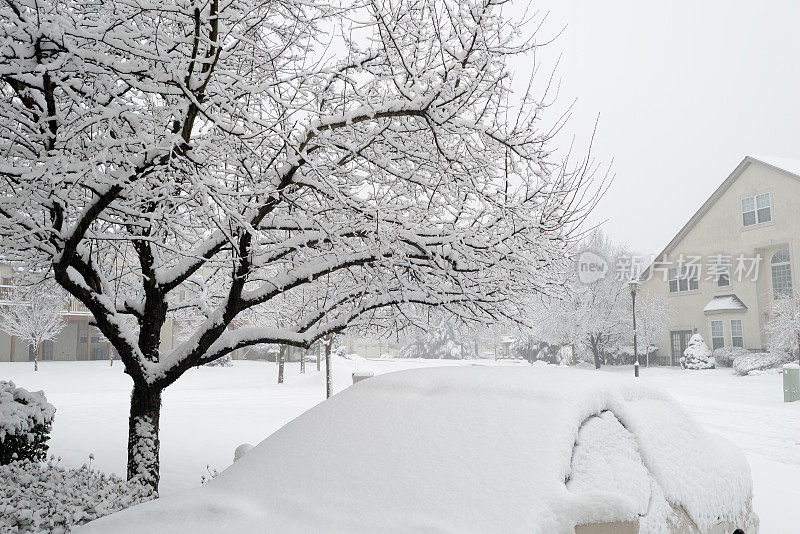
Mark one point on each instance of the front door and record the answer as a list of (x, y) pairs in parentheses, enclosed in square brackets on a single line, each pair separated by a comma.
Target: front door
[(680, 340)]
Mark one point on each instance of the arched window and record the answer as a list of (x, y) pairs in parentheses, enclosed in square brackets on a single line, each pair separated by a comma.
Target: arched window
[(781, 274)]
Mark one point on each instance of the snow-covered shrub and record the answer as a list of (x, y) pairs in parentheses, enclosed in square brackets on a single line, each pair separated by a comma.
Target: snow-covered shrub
[(44, 497), (262, 352), (754, 363), (224, 361), (25, 421), (541, 351), (212, 474), (724, 356), (697, 354), (624, 354)]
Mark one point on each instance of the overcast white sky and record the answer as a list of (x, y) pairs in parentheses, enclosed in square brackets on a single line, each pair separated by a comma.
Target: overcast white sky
[(684, 90)]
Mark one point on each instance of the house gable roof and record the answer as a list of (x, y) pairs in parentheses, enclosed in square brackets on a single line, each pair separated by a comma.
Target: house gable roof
[(785, 165)]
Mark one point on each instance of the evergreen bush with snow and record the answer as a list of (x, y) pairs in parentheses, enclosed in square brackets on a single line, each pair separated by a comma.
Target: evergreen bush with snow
[(724, 356), (697, 355), (45, 497), (760, 362), (25, 421)]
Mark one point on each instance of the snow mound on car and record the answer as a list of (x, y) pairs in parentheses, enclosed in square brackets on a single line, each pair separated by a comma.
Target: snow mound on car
[(455, 449)]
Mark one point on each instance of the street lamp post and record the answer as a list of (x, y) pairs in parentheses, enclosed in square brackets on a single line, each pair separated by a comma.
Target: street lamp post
[(634, 286)]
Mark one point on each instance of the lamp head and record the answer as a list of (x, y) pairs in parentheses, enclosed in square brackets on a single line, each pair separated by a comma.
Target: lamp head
[(634, 285)]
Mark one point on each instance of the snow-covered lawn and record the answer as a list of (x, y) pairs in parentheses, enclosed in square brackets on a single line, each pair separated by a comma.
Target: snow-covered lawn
[(210, 411)]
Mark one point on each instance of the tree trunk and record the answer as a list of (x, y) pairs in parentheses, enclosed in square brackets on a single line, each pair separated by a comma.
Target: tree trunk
[(281, 359), (319, 354), (36, 358), (143, 441), (302, 361), (598, 357), (328, 376)]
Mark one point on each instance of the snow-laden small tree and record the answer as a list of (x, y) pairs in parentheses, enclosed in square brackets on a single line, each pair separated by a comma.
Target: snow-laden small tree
[(438, 340), (231, 150), (35, 314), (653, 314), (783, 327), (697, 354)]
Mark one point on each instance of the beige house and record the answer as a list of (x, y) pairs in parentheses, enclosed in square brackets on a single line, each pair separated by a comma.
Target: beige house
[(724, 269), (77, 341)]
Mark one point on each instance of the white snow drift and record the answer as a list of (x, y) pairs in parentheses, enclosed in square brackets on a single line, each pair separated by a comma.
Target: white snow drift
[(468, 449)]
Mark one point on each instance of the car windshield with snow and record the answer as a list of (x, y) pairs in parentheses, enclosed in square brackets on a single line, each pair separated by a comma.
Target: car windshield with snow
[(473, 450)]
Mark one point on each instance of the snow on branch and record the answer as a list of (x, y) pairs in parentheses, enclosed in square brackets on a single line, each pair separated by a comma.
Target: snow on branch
[(219, 160)]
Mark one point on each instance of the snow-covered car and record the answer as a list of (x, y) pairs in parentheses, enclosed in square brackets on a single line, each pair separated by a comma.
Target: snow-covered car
[(473, 450)]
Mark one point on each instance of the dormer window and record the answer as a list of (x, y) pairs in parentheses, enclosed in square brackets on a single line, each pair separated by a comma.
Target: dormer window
[(757, 209)]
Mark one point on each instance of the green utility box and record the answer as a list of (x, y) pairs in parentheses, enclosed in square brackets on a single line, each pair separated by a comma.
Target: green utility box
[(791, 382)]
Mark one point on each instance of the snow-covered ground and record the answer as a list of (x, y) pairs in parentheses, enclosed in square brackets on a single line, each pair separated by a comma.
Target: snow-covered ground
[(210, 411)]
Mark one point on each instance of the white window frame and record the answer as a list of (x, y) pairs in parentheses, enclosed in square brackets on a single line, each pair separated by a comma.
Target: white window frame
[(721, 337), (687, 280), (740, 337), (785, 288), (759, 207)]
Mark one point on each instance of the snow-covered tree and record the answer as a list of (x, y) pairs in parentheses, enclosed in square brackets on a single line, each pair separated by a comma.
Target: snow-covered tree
[(230, 147), (653, 314), (34, 314), (783, 327), (594, 314), (697, 354), (439, 340)]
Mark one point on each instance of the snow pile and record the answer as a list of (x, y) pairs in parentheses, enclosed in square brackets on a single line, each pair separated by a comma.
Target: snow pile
[(453, 449), (724, 356), (44, 497), (761, 362), (241, 450), (25, 421), (697, 355)]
